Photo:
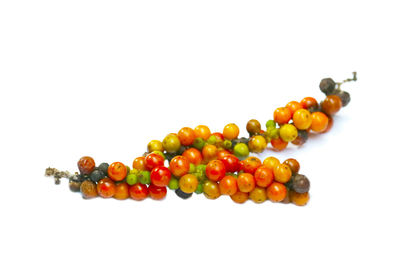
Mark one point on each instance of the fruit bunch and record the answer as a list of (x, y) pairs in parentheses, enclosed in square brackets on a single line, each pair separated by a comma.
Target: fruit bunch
[(219, 163)]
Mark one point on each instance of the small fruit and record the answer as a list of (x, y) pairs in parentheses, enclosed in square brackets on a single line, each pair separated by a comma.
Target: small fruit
[(228, 185), (246, 182), (294, 106), (327, 86), (179, 166), (138, 191), (202, 131), (209, 152), (211, 190), (263, 176), (299, 199), (121, 191), (271, 162), (132, 178), (301, 184), (258, 195), (276, 192), (199, 143), (157, 192), (288, 132), (302, 119), (139, 163), (215, 170), (241, 150), (253, 127), (104, 168), (302, 137), (240, 197), (144, 177), (88, 189), (193, 155), (310, 104), (186, 136), (171, 143), (74, 184), (96, 175), (231, 163), (331, 105), (173, 183), (117, 171), (188, 183), (251, 164), (319, 122), (282, 115), (282, 173), (344, 96), (160, 176), (86, 165), (293, 164), (257, 144), (278, 144), (153, 160), (182, 194), (231, 131), (155, 145), (106, 188)]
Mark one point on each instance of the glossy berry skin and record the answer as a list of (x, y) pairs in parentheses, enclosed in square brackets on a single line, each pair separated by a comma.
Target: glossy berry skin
[(160, 176), (282, 115), (282, 173), (231, 131), (271, 162), (121, 191), (293, 164), (344, 96), (106, 188), (117, 171), (294, 106), (211, 190), (263, 176), (329, 126), (241, 150), (153, 160), (276, 192), (253, 127), (246, 182), (193, 155), (222, 153), (302, 119), (171, 143), (157, 192), (327, 86), (88, 189), (310, 104), (299, 199), (139, 163), (331, 105), (209, 152), (202, 131), (319, 122), (301, 184), (240, 197), (251, 164), (258, 195), (288, 132), (86, 165), (155, 145), (257, 144), (138, 191), (215, 170), (186, 136), (228, 185), (278, 144), (182, 194), (179, 166), (188, 183), (231, 163)]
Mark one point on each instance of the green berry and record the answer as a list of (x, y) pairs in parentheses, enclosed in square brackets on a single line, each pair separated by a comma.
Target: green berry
[(270, 123), (192, 168), (227, 144), (144, 177), (173, 183), (241, 150), (199, 188), (198, 143), (201, 168), (212, 140), (131, 179), (159, 153)]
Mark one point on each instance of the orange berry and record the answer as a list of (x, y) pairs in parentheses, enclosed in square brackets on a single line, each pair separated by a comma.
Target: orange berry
[(319, 122), (294, 106), (264, 176), (331, 105), (209, 152), (258, 195), (282, 115), (302, 119), (139, 163), (240, 197), (282, 173), (186, 136), (121, 191), (117, 171), (228, 185), (231, 131), (276, 192), (299, 199), (309, 103), (278, 144), (106, 188), (246, 182), (271, 162), (202, 131)]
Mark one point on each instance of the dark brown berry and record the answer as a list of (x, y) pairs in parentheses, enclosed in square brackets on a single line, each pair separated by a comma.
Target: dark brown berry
[(301, 184), (327, 86), (343, 95), (86, 165)]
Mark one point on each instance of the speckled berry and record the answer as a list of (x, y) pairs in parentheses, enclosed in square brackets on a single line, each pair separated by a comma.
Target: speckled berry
[(327, 86)]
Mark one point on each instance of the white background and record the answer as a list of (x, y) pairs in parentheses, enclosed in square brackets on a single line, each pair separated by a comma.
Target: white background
[(102, 78)]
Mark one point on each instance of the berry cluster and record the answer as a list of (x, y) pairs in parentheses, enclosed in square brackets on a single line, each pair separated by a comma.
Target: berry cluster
[(216, 164)]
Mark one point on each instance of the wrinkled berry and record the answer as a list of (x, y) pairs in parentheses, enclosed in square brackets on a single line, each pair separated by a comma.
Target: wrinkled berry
[(96, 175), (327, 86), (301, 184), (343, 95)]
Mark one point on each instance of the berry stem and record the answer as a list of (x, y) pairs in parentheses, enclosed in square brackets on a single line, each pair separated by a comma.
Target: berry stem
[(348, 80)]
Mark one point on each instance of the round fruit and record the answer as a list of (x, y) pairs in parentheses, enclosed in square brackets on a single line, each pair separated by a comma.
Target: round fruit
[(173, 183), (74, 184), (138, 191), (193, 155), (144, 177), (294, 106), (282, 115), (276, 192), (209, 152), (155, 145), (215, 170), (246, 182), (179, 166), (299, 199), (282, 173), (231, 131), (278, 144), (106, 188), (310, 104), (241, 150), (199, 189), (344, 97), (327, 86), (319, 122), (211, 190), (263, 176), (139, 164), (240, 197), (257, 144), (301, 184), (188, 183), (104, 168), (160, 176), (88, 189), (202, 131), (117, 171), (271, 162), (228, 185), (253, 127), (251, 164), (121, 191), (96, 176), (186, 136), (258, 195), (86, 165), (302, 137), (153, 160), (302, 119), (330, 124), (132, 178), (182, 194), (231, 163), (331, 105), (293, 164), (288, 132), (157, 192), (171, 143)]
